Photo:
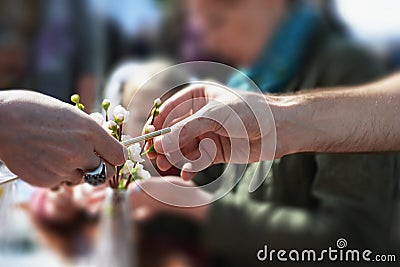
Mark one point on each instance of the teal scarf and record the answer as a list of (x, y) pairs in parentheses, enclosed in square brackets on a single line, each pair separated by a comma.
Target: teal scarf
[(281, 58)]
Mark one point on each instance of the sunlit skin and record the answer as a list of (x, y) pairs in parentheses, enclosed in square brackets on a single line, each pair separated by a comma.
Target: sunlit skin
[(350, 119), (47, 142)]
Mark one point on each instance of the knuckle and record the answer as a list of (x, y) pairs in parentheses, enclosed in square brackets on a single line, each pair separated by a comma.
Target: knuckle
[(85, 134), (70, 158)]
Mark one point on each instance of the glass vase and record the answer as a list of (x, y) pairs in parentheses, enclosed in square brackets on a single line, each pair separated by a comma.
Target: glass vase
[(114, 246)]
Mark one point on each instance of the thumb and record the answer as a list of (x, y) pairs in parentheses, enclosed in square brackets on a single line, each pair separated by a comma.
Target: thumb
[(108, 147), (184, 132)]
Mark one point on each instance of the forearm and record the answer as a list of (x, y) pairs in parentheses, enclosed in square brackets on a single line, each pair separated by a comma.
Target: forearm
[(357, 119)]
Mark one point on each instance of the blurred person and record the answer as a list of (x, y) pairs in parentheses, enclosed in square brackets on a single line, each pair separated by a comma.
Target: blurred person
[(64, 51), (307, 200), (48, 45), (179, 36), (18, 24)]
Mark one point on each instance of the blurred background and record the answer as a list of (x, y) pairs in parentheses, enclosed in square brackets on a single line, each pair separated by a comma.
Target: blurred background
[(61, 47)]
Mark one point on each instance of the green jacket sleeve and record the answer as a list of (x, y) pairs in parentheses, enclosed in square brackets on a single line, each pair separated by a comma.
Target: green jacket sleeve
[(312, 200)]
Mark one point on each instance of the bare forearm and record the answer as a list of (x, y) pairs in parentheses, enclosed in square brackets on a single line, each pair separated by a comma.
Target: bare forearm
[(357, 119)]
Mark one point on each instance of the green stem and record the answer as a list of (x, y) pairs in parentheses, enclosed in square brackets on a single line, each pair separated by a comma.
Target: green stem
[(142, 149)]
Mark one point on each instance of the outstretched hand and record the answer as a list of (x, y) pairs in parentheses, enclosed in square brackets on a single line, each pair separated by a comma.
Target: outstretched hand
[(213, 124)]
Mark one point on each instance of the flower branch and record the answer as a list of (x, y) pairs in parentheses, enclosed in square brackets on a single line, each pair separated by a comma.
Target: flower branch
[(113, 123)]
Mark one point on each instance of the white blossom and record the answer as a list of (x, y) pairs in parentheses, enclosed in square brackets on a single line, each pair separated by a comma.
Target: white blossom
[(128, 167), (107, 125), (134, 153), (110, 125), (150, 128), (121, 114), (157, 102), (141, 172), (97, 117)]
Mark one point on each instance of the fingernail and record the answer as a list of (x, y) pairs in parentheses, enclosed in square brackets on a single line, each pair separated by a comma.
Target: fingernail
[(187, 167), (158, 144)]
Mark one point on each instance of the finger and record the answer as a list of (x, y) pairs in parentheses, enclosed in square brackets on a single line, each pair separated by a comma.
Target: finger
[(189, 152), (150, 155), (175, 119), (187, 173), (183, 133), (110, 171), (183, 99), (41, 178), (88, 161), (199, 159), (75, 178), (163, 163), (108, 147)]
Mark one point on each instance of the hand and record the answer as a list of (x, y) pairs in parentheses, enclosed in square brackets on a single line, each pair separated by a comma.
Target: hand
[(239, 124), (47, 142)]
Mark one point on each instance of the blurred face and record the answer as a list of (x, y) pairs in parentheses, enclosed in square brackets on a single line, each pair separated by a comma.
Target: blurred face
[(237, 30)]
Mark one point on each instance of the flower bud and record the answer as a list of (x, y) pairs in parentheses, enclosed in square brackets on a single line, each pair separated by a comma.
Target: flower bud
[(149, 129), (106, 104), (75, 98), (112, 125), (121, 115), (157, 102)]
